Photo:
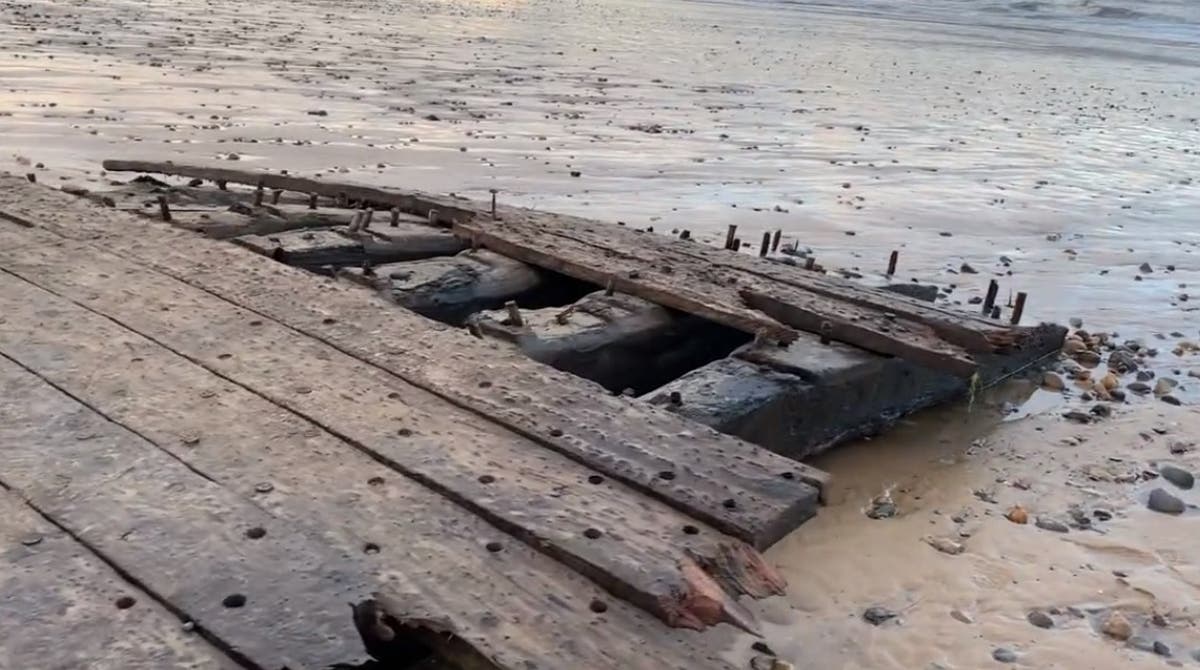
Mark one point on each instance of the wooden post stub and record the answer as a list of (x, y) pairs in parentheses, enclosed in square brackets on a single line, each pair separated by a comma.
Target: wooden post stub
[(809, 263), (1019, 308), (395, 217), (356, 221), (221, 184), (493, 204), (730, 236), (163, 208), (31, 177), (514, 314), (685, 235), (766, 244), (341, 199), (775, 240), (676, 398), (258, 196), (367, 216), (996, 312), (608, 290), (275, 195), (990, 299), (312, 200), (433, 217), (737, 244), (892, 263)]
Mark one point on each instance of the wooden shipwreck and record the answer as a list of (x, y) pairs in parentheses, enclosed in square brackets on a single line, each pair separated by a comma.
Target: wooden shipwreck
[(539, 442)]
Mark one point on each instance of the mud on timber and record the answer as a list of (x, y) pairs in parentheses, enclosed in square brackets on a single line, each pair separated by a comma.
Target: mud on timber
[(685, 334), (108, 285)]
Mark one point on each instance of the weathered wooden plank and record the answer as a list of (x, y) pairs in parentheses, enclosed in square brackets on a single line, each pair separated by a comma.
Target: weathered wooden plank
[(740, 489), (635, 548), (897, 337), (62, 607), (412, 202), (180, 535), (705, 291), (966, 330), (505, 600), (655, 282)]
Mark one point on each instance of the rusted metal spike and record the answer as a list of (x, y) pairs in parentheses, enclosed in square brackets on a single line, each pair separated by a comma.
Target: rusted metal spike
[(1019, 308), (312, 200), (990, 299), (258, 196), (164, 209), (892, 263), (395, 217), (775, 240), (730, 236), (369, 214), (433, 217), (493, 204), (766, 244)]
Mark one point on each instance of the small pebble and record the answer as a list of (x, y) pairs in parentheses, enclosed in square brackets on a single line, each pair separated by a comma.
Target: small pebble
[(1177, 476), (1161, 501), (877, 615), (1117, 627), (1052, 525), (1004, 655), (1040, 619)]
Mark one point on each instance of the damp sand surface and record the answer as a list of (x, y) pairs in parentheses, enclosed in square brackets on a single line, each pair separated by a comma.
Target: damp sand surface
[(1051, 146)]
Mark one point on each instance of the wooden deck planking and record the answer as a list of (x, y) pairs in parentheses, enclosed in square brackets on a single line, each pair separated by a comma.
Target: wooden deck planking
[(539, 496), (964, 329), (413, 202), (618, 436), (701, 289), (182, 535), (514, 605), (59, 607)]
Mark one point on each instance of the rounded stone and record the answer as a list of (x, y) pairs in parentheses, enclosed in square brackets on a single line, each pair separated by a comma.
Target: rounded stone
[(1004, 655), (1177, 476), (1161, 501)]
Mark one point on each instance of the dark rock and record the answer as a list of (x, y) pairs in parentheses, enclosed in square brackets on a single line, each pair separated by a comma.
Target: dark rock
[(1040, 619), (1161, 501), (1051, 524), (967, 269), (1122, 360), (762, 648), (1171, 400), (876, 615), (1140, 388), (1077, 416), (1145, 267), (1145, 375), (1004, 655), (1141, 643), (1102, 514), (1177, 476), (1161, 648), (1117, 394), (1102, 411)]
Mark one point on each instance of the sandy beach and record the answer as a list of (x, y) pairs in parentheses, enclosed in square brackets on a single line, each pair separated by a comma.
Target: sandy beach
[(1052, 146)]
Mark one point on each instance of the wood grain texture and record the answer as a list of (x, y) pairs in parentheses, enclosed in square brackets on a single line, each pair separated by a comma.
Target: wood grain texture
[(631, 546), (967, 330), (63, 607), (738, 488), (412, 202), (719, 295), (377, 530), (181, 534)]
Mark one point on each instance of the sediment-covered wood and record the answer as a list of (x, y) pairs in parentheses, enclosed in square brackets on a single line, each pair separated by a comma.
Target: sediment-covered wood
[(412, 202), (505, 600), (863, 328), (61, 606), (737, 487), (179, 535), (677, 287), (626, 543)]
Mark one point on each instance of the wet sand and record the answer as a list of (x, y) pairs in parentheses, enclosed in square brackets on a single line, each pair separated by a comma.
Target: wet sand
[(1061, 136)]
